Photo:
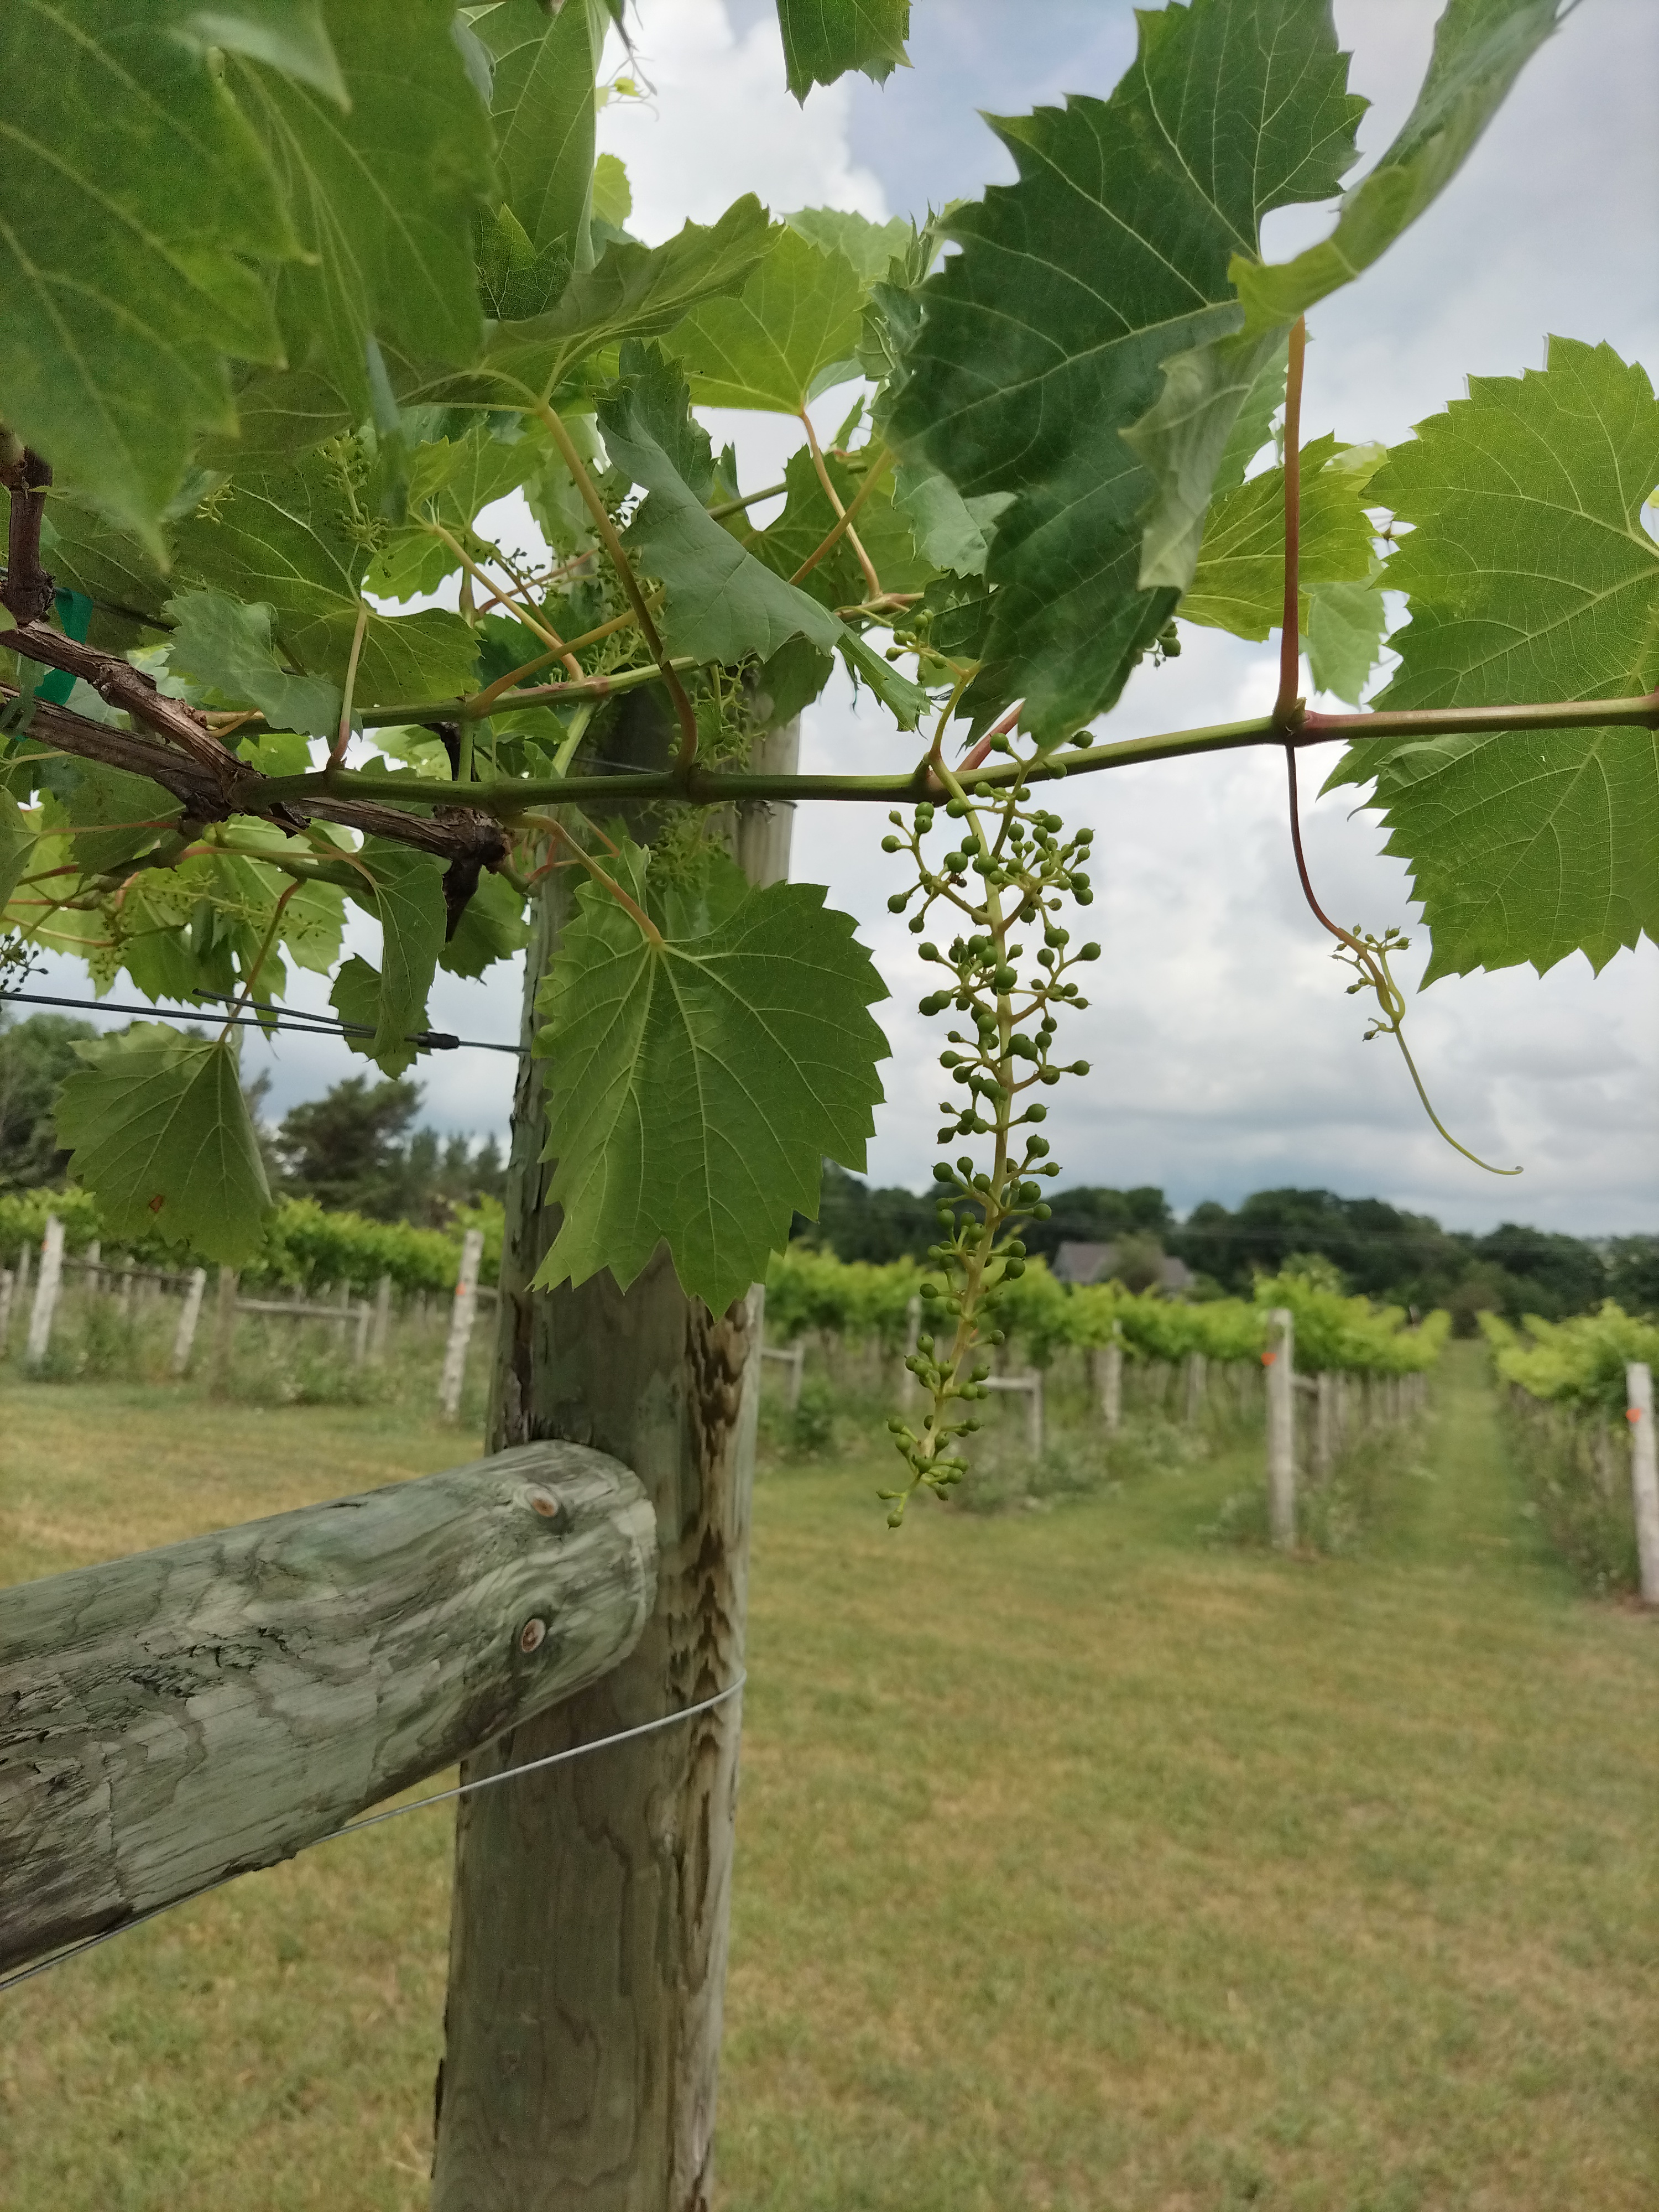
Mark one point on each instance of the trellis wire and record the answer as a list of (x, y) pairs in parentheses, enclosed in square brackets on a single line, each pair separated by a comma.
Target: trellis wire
[(269, 1018), (375, 1820)]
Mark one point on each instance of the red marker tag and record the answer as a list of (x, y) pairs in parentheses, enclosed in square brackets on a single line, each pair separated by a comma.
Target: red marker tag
[(1633, 1413), (1268, 1358)]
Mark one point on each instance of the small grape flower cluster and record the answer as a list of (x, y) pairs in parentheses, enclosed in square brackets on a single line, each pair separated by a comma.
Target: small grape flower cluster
[(1010, 873)]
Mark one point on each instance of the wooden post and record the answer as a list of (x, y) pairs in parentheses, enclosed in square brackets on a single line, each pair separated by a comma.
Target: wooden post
[(345, 1322), (1034, 1414), (379, 1334), (796, 1374), (123, 1288), (1280, 1360), (46, 1286), (907, 1384), (23, 1272), (1324, 1450), (224, 1332), (1111, 1385), (172, 1717), (6, 1280), (460, 1324), (1193, 1401), (360, 1343), (1644, 1475), (189, 1314), (592, 1902)]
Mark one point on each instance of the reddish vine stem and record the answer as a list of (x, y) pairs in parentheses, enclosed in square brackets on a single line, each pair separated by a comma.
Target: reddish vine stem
[(1290, 640)]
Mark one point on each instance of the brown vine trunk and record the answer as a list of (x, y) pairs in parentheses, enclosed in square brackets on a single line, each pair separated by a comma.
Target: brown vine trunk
[(588, 1941)]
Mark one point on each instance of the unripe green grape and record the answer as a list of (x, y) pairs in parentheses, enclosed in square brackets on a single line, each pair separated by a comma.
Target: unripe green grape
[(1079, 1067), (1038, 1147), (1083, 895), (1090, 951), (892, 844), (898, 902)]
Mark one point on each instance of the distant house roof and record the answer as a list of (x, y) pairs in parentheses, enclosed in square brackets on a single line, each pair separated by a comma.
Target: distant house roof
[(1096, 1263)]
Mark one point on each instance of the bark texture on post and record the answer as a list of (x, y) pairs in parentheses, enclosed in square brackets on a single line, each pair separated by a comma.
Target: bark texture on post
[(1644, 1475), (589, 1942), (1281, 1427), (215, 1705)]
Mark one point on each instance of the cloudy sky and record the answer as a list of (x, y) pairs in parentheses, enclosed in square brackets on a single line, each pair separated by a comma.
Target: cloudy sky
[(1226, 1055)]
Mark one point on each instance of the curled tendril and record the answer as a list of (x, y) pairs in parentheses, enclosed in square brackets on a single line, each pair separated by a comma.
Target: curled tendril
[(1368, 955)]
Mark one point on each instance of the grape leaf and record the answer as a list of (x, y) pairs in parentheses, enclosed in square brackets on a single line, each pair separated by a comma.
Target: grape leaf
[(137, 200), (633, 291), (1481, 47), (356, 996), (825, 38), (1343, 634), (408, 900), (17, 841), (102, 804), (492, 928), (721, 603), (1529, 576), (88, 553), (292, 540), (793, 332), (226, 647), (872, 247), (949, 532), (1044, 337), (612, 194), (451, 481), (1239, 584), (807, 519), (697, 1084), (163, 1138), (382, 199), (543, 107)]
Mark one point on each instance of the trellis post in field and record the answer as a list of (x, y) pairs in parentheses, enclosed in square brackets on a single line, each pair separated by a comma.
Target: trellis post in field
[(382, 1325), (189, 1314), (591, 1901), (47, 1284), (1193, 1402), (224, 1331), (1111, 1357), (6, 1281), (1644, 1475), (1324, 1450), (1280, 1360), (461, 1313)]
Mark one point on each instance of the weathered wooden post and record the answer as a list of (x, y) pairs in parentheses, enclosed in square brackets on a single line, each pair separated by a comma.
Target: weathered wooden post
[(92, 1277), (907, 1384), (1279, 1361), (1644, 1475), (46, 1287), (224, 1332), (1192, 1400), (189, 1314), (1111, 1383), (6, 1280), (1324, 1450), (380, 1333), (365, 1314), (185, 1713), (461, 1314), (588, 1953)]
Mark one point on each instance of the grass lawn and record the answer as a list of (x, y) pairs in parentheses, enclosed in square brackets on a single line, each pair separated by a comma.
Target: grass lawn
[(1083, 1863)]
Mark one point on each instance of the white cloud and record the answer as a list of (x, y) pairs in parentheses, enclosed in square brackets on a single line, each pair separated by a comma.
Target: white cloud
[(720, 123)]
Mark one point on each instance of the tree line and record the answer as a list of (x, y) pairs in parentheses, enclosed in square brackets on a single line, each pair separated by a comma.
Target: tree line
[(358, 1149), (1377, 1249)]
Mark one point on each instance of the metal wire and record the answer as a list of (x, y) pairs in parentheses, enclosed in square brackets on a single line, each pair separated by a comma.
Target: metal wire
[(375, 1820), (270, 1018)]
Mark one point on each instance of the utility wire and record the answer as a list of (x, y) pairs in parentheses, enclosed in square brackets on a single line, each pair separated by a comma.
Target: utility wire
[(375, 1820), (270, 1018)]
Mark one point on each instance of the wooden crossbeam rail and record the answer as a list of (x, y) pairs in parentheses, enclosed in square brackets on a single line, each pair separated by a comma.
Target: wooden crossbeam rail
[(185, 1713)]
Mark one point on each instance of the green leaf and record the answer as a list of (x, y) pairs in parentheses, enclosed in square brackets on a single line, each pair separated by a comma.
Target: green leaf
[(1045, 337), (1530, 577), (137, 200), (612, 194), (633, 292), (949, 532), (1239, 585), (88, 553), (1344, 632), (161, 1137), (872, 247), (289, 35), (492, 928), (1481, 47), (356, 996), (543, 108), (793, 332), (409, 902), (807, 519), (825, 38), (226, 647), (451, 482), (17, 841), (721, 603), (102, 802), (697, 1084), (298, 541), (382, 199)]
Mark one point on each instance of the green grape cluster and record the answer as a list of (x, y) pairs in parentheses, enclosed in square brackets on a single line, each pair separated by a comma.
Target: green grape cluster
[(1008, 875)]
